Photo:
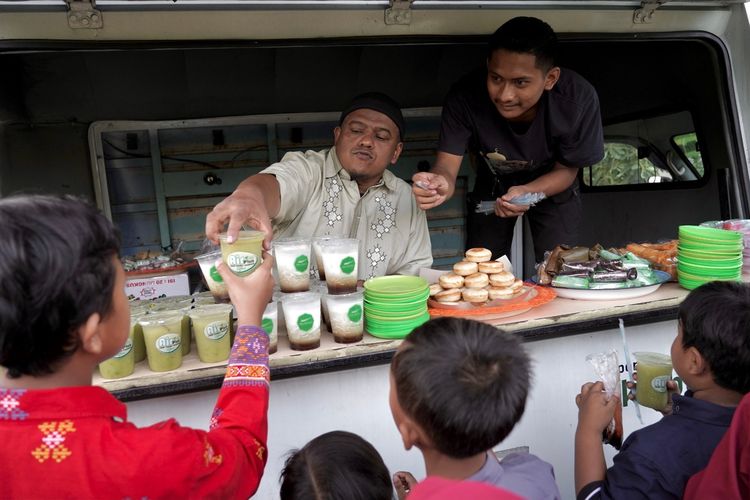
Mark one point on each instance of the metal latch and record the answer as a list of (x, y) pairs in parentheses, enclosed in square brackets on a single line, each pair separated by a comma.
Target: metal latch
[(399, 12), (83, 14), (646, 13)]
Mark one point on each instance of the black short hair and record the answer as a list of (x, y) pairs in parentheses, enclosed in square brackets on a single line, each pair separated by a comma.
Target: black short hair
[(56, 270), (464, 382), (526, 35), (715, 319), (337, 465)]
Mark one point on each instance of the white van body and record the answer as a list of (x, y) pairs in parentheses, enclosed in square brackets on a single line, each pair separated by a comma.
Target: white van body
[(38, 137)]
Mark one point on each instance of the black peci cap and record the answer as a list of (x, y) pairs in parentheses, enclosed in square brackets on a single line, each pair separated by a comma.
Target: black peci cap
[(378, 102)]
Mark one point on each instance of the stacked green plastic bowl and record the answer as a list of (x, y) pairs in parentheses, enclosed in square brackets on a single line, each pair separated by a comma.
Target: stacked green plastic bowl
[(707, 254), (395, 305)]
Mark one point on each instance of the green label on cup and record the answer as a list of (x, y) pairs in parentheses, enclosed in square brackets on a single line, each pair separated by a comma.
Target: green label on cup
[(125, 349), (305, 322), (347, 265), (659, 384), (355, 313), (168, 343), (267, 325), (242, 263), (301, 263), (215, 275), (216, 330)]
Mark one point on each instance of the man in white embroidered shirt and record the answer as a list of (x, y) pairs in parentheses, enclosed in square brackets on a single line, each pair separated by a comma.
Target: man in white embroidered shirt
[(342, 191)]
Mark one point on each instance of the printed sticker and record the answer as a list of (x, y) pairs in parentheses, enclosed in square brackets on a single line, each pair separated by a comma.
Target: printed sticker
[(355, 313), (305, 322), (216, 330), (301, 263), (347, 265), (242, 263), (215, 275), (168, 343), (659, 384), (125, 349), (267, 325)]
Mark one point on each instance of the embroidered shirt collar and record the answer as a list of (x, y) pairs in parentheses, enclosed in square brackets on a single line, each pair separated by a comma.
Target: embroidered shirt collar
[(333, 167)]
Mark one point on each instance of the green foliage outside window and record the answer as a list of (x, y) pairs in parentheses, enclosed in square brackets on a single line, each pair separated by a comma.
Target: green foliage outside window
[(689, 145), (621, 166)]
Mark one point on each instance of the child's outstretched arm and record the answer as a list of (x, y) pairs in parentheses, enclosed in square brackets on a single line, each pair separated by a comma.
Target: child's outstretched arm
[(251, 294), (594, 414), (227, 461)]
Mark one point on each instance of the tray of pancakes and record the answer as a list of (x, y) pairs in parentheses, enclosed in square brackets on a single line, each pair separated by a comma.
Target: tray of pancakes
[(479, 285), (476, 281)]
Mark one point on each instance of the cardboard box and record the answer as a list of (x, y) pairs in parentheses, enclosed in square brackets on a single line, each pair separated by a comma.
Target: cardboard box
[(151, 287)]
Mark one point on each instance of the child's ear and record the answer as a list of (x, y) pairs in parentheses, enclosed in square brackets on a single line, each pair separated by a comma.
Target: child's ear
[(89, 335), (696, 364), (412, 435)]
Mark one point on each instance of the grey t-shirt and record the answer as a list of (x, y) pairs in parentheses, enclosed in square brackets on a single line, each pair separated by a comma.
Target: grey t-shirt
[(566, 129), (521, 473)]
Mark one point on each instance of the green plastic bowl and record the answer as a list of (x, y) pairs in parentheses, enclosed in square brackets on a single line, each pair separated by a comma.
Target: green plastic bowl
[(394, 318), (705, 277), (690, 284), (708, 233), (708, 254), (395, 308), (719, 246), (399, 299), (395, 285), (721, 265)]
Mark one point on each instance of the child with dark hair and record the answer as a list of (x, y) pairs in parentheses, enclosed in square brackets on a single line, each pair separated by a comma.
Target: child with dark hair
[(711, 354), (458, 387), (337, 465), (63, 310)]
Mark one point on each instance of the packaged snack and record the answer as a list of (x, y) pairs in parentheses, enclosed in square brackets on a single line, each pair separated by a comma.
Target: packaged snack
[(607, 369)]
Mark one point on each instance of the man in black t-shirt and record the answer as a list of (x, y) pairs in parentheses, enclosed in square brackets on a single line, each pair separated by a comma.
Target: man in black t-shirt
[(529, 126)]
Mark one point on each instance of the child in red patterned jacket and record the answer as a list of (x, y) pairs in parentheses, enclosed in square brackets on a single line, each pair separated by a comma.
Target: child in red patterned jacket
[(63, 309)]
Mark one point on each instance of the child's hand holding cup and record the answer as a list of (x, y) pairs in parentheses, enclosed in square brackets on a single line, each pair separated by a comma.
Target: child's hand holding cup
[(655, 385)]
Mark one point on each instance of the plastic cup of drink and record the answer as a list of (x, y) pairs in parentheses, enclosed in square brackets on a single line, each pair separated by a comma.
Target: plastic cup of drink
[(318, 253), (346, 313), (174, 302), (139, 306), (180, 305), (654, 370), (215, 282), (245, 254), (340, 258), (292, 259), (277, 295), (136, 334), (212, 331), (162, 335), (121, 364), (302, 315), (203, 299), (323, 290), (270, 324)]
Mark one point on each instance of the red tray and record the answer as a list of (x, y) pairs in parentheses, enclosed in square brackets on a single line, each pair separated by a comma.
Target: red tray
[(533, 296)]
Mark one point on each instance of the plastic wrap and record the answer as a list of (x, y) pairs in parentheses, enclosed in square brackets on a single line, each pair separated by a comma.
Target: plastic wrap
[(607, 368)]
